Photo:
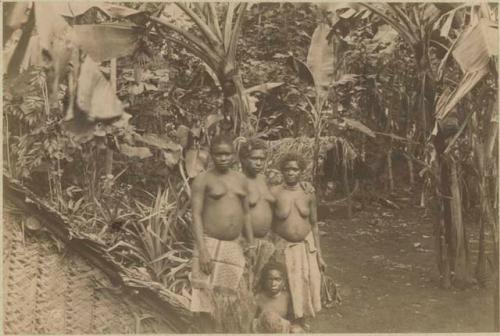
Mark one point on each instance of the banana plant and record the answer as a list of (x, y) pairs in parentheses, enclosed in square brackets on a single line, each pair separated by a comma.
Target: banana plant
[(472, 49), (218, 28), (323, 68)]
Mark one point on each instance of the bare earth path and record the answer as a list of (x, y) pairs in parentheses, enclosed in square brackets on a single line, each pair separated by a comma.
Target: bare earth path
[(384, 262)]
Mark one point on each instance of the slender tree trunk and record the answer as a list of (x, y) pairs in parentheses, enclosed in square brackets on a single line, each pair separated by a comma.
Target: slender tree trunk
[(461, 258), (390, 173), (316, 148), (108, 161), (235, 108), (441, 249), (347, 189)]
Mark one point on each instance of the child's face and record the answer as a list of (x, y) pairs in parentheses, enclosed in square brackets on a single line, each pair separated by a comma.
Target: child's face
[(274, 282)]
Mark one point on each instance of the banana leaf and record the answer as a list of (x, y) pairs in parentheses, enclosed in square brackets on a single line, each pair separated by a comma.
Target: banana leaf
[(106, 41), (74, 9), (94, 95), (355, 125), (131, 151), (301, 69), (321, 58), (447, 102), (265, 87), (196, 161), (14, 16), (474, 48)]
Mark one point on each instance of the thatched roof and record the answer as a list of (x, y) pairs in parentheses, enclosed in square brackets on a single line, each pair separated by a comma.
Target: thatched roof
[(172, 307)]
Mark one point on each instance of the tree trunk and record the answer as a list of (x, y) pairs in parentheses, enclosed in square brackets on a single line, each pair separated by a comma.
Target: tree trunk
[(461, 258), (411, 170), (441, 249), (390, 173), (315, 168), (347, 189), (108, 161), (235, 107)]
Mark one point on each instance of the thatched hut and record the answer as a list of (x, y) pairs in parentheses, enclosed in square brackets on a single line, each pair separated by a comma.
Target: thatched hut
[(57, 281)]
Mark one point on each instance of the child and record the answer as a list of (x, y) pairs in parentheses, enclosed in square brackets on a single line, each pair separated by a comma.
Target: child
[(273, 302)]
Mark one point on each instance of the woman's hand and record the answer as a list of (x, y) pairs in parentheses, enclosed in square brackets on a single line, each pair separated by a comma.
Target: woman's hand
[(206, 263), (321, 263)]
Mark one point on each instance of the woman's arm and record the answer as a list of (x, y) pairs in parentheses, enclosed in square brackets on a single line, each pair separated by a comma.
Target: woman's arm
[(197, 203), (315, 230)]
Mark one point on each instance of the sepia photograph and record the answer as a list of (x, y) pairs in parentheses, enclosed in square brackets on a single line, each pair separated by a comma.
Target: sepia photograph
[(250, 167)]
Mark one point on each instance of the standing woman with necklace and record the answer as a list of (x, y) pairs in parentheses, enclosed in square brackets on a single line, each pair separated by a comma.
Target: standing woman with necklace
[(297, 239)]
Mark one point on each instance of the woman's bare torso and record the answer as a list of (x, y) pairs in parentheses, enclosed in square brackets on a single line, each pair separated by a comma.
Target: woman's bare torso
[(223, 214), (292, 211), (260, 200)]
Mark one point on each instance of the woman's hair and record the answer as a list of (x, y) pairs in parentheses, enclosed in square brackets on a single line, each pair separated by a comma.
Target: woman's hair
[(221, 139), (288, 157), (271, 266), (250, 145)]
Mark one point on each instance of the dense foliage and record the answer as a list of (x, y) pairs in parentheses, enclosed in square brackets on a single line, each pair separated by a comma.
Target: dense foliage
[(127, 183)]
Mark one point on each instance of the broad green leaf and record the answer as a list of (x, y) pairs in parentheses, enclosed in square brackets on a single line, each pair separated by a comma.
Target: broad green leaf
[(131, 151), (387, 36), (196, 161), (158, 142), (73, 8), (211, 73), (172, 157), (106, 41), (76, 8), (212, 119), (448, 101), (445, 28), (347, 78), (263, 87), (356, 125), (474, 49), (182, 134), (14, 16), (334, 11), (150, 87), (95, 96), (56, 39), (301, 69), (322, 58), (136, 88)]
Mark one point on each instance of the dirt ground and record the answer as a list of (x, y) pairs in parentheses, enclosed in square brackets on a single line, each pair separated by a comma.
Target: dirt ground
[(383, 261)]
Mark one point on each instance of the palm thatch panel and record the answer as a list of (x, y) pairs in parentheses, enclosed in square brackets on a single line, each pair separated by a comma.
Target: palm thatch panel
[(47, 291)]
